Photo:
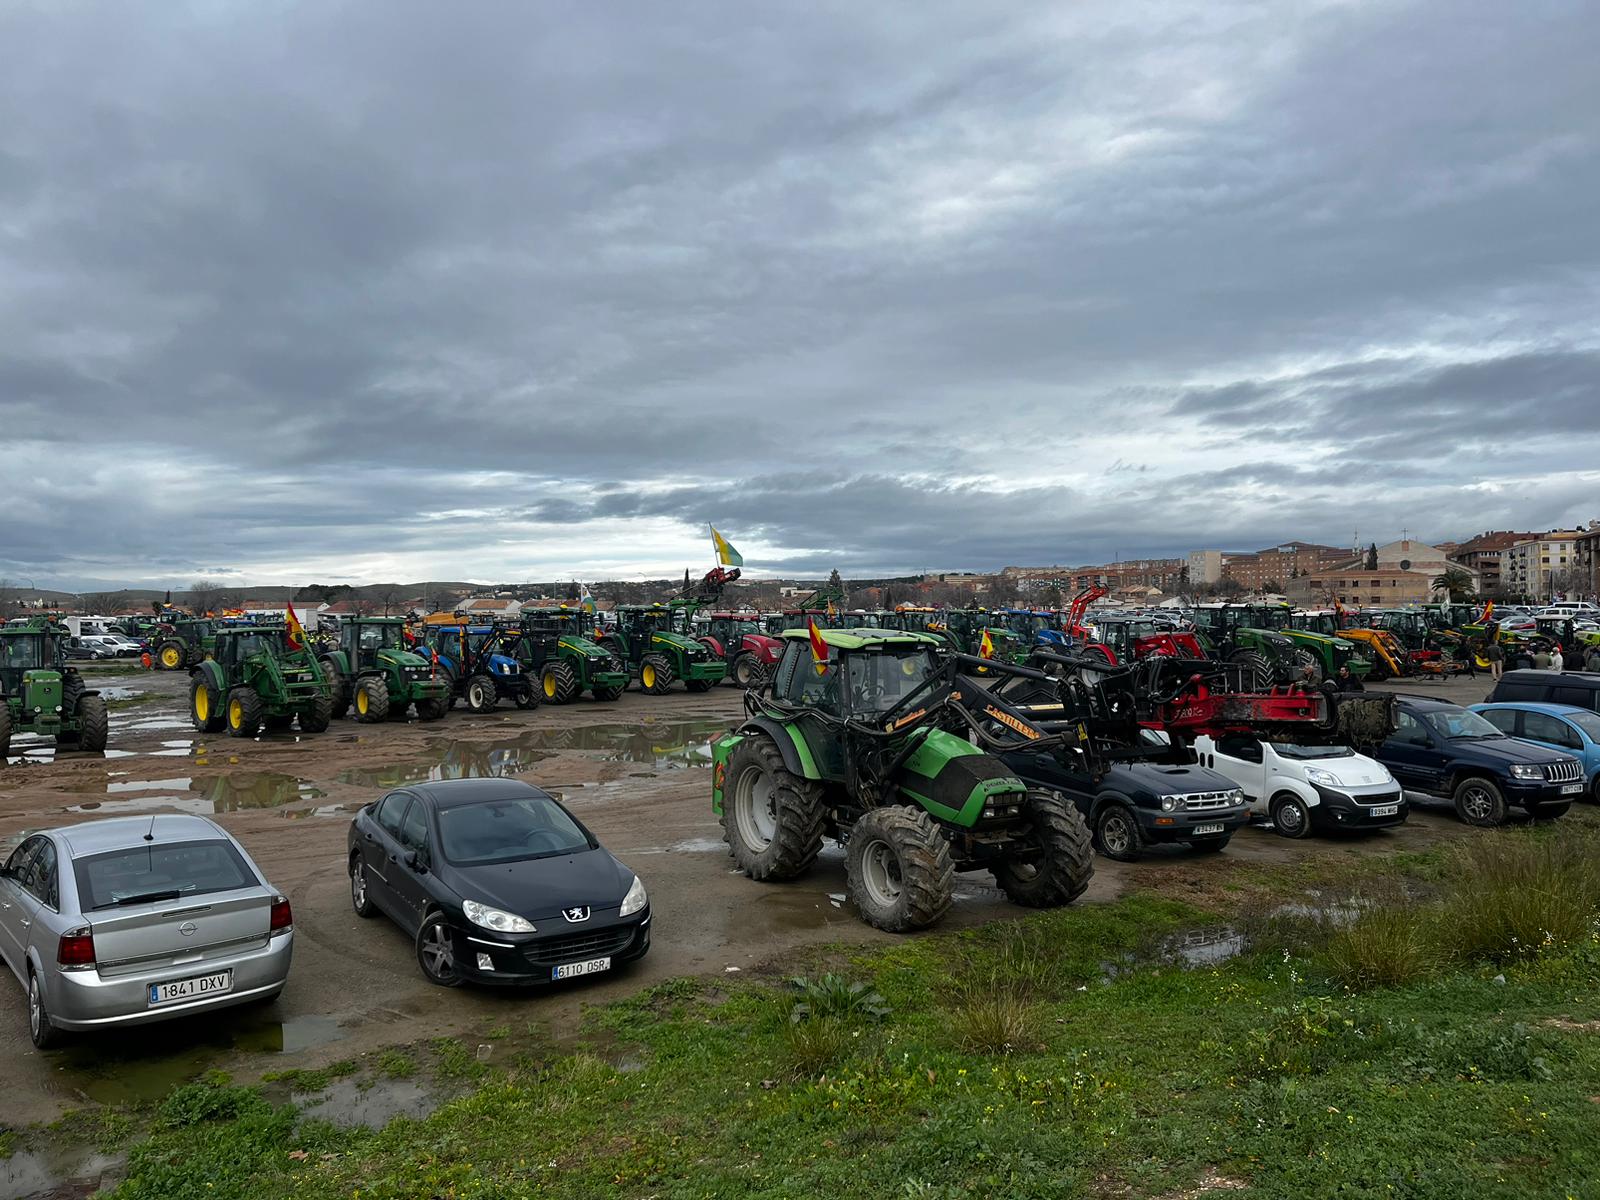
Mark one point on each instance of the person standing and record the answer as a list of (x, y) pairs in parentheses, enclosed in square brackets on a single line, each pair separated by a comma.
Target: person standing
[(1348, 682), (1558, 660), (1541, 658), (1496, 655), (1591, 660)]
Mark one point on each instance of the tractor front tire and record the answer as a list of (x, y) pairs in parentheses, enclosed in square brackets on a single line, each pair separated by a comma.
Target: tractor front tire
[(559, 682), (244, 712), (317, 718), (771, 818), (482, 695), (655, 675), (206, 711), (71, 691), (610, 693), (1254, 668), (743, 671), (338, 694), (1058, 865), (93, 723), (898, 870), (432, 709), (172, 656), (371, 699), (699, 685)]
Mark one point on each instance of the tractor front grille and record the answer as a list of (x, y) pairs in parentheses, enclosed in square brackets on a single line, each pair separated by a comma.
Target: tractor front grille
[(1567, 771)]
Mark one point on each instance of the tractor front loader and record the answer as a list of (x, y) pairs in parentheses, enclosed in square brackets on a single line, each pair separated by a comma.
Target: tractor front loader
[(253, 681)]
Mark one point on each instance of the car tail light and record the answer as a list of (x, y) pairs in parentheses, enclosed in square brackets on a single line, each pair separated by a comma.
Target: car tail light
[(282, 916), (76, 948)]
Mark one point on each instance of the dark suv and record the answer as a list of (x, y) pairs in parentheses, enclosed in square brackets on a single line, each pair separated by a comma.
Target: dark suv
[(1443, 750), (1135, 804), (1580, 688)]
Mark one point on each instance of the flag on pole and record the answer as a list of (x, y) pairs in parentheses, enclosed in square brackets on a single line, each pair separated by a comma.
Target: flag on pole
[(585, 600), (1488, 611), (727, 556), (819, 648), (296, 632), (986, 646)]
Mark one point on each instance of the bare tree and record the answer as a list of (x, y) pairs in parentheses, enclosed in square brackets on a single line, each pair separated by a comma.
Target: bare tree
[(388, 595), (204, 596)]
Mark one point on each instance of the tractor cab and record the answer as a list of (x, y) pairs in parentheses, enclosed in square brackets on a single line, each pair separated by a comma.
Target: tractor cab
[(234, 646), (41, 693), (863, 677), (27, 648), (362, 638), (1325, 623)]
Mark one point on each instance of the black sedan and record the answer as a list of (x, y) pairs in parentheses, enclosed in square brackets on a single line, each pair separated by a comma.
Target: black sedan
[(497, 882)]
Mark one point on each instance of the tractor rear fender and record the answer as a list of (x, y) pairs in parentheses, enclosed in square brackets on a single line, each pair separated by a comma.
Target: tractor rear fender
[(340, 660), (791, 743), (712, 644), (213, 677)]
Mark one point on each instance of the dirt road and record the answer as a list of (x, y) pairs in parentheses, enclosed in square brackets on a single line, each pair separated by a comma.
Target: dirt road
[(635, 771)]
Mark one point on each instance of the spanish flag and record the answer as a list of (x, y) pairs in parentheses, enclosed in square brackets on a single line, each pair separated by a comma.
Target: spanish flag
[(819, 648), (1488, 611), (296, 632), (986, 646), (726, 554)]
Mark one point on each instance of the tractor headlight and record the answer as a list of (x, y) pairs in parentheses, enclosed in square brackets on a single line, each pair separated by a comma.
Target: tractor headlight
[(634, 900), (1172, 803), (492, 918)]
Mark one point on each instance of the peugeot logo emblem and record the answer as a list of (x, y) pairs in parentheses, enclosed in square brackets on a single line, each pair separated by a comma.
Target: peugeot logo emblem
[(187, 928), (580, 913)]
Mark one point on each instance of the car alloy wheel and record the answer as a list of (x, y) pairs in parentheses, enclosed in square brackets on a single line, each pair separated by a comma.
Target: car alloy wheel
[(358, 885), (436, 954), (1117, 834), (35, 1007), (1477, 803)]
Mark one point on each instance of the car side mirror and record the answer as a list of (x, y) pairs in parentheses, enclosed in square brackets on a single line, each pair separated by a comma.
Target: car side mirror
[(414, 860)]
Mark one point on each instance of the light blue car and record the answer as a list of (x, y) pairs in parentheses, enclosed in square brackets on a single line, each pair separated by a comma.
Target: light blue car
[(1560, 726)]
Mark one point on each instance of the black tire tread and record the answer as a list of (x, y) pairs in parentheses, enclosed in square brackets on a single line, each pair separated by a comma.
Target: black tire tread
[(927, 870), (801, 815), (1067, 862)]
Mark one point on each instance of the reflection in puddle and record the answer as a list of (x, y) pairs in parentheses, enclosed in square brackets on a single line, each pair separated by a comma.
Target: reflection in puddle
[(664, 745), (144, 1065), (206, 795), (139, 804), (371, 1103), (1205, 947), (69, 1172)]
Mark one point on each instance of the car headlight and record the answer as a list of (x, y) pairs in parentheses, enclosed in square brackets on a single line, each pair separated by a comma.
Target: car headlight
[(1526, 771), (1325, 778), (1236, 796), (635, 899), (1171, 803), (492, 918)]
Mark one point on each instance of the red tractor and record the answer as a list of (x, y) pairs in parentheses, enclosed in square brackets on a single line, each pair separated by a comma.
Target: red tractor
[(1126, 639), (739, 640)]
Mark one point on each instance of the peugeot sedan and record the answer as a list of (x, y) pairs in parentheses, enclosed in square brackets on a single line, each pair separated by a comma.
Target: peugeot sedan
[(139, 919), (496, 882)]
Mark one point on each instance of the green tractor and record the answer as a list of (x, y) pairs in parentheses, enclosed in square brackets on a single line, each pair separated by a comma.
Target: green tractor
[(41, 693), (183, 642), (963, 630), (254, 681), (372, 669), (643, 640), (1233, 632), (1329, 652), (558, 650), (885, 746)]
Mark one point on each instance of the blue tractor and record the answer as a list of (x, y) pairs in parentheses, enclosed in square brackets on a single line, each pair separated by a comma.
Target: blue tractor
[(480, 665), (1033, 626)]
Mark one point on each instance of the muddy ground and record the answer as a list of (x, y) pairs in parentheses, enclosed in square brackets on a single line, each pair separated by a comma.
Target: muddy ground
[(635, 771)]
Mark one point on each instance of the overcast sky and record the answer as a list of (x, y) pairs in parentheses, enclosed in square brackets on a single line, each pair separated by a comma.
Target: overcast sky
[(362, 291)]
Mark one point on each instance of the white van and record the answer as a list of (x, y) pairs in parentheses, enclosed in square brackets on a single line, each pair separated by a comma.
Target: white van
[(1302, 788)]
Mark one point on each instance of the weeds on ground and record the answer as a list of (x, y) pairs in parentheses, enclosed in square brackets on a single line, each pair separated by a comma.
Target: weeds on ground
[(1520, 897), (1386, 945)]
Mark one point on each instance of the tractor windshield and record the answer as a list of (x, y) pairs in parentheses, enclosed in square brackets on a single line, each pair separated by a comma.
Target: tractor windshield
[(19, 654), (252, 643), (878, 681), (380, 637)]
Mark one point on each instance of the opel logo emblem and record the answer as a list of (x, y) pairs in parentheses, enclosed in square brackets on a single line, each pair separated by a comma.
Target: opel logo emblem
[(187, 928), (580, 913)]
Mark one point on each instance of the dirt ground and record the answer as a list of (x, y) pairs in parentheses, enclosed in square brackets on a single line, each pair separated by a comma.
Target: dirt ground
[(635, 771)]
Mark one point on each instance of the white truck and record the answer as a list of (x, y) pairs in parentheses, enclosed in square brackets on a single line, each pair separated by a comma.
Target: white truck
[(1302, 788)]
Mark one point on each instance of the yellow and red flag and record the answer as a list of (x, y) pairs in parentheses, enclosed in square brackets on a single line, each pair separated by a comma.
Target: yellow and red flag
[(296, 632), (1488, 611), (986, 646), (819, 648)]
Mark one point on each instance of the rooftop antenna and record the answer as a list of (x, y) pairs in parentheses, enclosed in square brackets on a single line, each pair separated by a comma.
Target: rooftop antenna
[(150, 834)]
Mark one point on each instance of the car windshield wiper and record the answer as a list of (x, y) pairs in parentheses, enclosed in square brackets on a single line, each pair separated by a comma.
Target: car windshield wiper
[(141, 898)]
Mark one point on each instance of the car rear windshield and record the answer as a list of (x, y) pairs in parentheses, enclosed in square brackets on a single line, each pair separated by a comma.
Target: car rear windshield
[(508, 831), (158, 871)]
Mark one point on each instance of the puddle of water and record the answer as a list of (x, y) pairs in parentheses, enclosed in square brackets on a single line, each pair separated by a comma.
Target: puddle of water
[(34, 1173), (255, 789), (321, 810), (137, 804), (664, 745), (138, 1069), (179, 783), (120, 693), (1204, 947), (156, 722), (371, 1103)]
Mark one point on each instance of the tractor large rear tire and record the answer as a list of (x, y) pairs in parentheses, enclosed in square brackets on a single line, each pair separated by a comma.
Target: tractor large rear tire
[(432, 709), (898, 870), (206, 712), (171, 655), (771, 818), (482, 695), (371, 699), (559, 683), (1254, 668), (244, 712), (608, 694), (93, 723), (699, 685), (71, 690), (317, 718), (338, 694), (5, 732), (1059, 868), (655, 675)]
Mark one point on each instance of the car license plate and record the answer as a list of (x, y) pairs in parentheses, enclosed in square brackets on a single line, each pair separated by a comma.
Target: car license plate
[(1206, 829), (1571, 789), (572, 970), (1385, 810), (191, 989)]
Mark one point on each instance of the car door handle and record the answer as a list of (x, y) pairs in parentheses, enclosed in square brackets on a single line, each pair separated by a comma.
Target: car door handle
[(26, 924)]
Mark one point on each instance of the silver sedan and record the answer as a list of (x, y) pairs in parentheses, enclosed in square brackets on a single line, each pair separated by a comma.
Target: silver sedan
[(139, 919)]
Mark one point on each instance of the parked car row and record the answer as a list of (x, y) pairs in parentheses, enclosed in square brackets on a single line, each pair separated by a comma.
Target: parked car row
[(131, 920)]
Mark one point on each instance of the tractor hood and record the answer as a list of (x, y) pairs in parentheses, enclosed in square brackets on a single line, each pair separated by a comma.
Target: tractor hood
[(687, 644), (402, 659), (760, 643), (583, 646)]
